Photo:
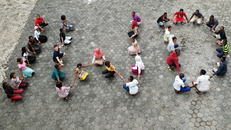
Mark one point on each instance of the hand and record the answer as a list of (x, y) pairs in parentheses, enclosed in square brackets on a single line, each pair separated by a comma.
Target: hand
[(192, 82), (62, 65), (45, 22), (203, 23), (22, 78), (35, 53), (121, 77), (39, 42), (211, 76), (179, 73), (171, 19), (72, 85), (29, 65)]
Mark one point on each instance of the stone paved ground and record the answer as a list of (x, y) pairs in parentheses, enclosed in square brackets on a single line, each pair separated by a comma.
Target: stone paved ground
[(100, 103)]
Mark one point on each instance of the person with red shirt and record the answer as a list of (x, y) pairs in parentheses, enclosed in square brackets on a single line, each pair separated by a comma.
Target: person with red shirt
[(180, 17), (172, 61), (40, 22)]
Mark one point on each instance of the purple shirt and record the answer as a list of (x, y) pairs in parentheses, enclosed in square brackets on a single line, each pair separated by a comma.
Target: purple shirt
[(136, 18)]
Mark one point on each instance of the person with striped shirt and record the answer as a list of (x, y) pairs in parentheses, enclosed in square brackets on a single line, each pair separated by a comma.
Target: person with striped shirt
[(223, 51)]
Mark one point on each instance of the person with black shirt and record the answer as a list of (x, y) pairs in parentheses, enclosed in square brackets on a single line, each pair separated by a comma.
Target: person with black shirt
[(212, 23), (13, 94), (63, 39), (57, 55), (34, 46), (220, 37), (162, 20), (196, 17)]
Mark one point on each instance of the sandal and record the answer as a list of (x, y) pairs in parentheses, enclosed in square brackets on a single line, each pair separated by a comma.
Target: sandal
[(198, 93)]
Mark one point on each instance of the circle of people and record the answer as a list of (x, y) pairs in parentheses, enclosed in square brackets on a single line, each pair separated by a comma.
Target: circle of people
[(34, 47)]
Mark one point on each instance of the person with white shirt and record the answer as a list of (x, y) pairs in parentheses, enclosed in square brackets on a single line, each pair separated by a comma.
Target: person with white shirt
[(167, 35), (26, 58), (202, 83), (131, 87), (179, 85), (39, 38), (171, 45)]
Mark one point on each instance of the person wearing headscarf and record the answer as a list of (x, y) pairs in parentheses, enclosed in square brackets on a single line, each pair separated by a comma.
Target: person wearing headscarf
[(57, 75), (99, 57), (138, 68), (135, 48), (27, 59), (25, 71), (135, 29), (39, 38)]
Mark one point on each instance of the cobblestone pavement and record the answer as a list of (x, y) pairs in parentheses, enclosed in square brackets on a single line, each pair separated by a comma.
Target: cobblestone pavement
[(100, 103)]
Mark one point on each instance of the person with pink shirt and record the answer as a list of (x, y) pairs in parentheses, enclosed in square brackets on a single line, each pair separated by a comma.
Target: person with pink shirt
[(25, 71), (63, 91)]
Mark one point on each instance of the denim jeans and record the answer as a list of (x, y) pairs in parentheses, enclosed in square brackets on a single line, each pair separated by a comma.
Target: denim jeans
[(209, 24), (161, 23), (221, 52), (126, 88)]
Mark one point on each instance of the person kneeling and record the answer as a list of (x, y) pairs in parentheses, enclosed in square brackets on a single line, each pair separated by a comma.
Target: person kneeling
[(131, 86), (63, 91), (179, 84)]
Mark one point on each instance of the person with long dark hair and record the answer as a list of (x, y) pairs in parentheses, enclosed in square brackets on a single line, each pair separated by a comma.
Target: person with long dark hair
[(25, 71), (33, 46), (27, 59), (12, 94)]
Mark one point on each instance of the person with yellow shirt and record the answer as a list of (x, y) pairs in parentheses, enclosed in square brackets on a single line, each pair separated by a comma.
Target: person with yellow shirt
[(110, 71)]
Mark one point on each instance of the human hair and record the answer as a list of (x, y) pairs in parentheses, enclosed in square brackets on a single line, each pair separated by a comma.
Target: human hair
[(23, 50), (79, 64), (18, 59), (11, 75), (224, 58), (197, 10), (211, 16), (222, 27), (4, 85), (38, 15), (203, 71), (55, 46), (56, 66), (61, 29), (181, 10), (169, 27), (59, 84), (131, 78), (63, 17), (165, 13), (181, 75), (225, 40), (107, 63), (174, 38), (30, 37), (133, 12)]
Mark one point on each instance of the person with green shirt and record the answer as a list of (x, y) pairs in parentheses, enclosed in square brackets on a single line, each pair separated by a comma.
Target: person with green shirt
[(57, 75), (167, 35), (223, 51)]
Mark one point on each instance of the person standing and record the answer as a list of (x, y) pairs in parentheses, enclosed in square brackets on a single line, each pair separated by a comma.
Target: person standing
[(172, 61), (62, 91), (179, 85), (162, 20), (63, 39), (180, 17), (17, 82), (196, 17), (131, 87), (220, 37), (26, 58), (40, 22), (25, 71), (212, 23), (57, 55), (57, 75), (167, 35), (171, 45), (223, 51), (13, 94), (39, 38), (202, 83), (222, 69), (136, 18)]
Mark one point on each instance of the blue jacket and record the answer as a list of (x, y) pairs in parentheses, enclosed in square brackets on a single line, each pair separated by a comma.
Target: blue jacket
[(222, 69)]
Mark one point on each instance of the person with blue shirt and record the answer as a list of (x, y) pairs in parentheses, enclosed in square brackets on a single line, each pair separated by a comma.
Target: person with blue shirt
[(222, 69)]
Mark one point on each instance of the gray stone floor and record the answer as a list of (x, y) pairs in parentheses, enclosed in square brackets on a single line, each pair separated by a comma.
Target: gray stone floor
[(99, 103)]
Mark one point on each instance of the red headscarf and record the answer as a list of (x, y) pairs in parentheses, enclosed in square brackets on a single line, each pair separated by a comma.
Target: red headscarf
[(134, 24), (97, 53)]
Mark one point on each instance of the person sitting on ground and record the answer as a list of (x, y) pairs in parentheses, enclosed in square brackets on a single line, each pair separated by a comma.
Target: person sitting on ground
[(13, 94), (110, 71), (162, 21), (171, 45), (136, 18), (179, 17), (221, 37), (135, 48), (39, 38), (131, 87), (212, 23), (33, 46), (63, 91), (223, 51), (68, 26), (135, 30), (179, 85), (196, 17), (202, 83), (25, 71), (27, 59), (138, 68), (98, 57), (167, 35), (17, 82), (222, 69), (40, 22), (57, 75), (57, 55), (63, 39), (172, 61), (82, 75)]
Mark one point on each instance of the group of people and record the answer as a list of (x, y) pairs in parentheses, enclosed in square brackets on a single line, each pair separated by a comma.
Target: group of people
[(202, 83)]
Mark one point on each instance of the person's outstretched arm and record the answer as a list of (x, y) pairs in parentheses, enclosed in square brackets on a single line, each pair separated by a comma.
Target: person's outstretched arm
[(76, 75)]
